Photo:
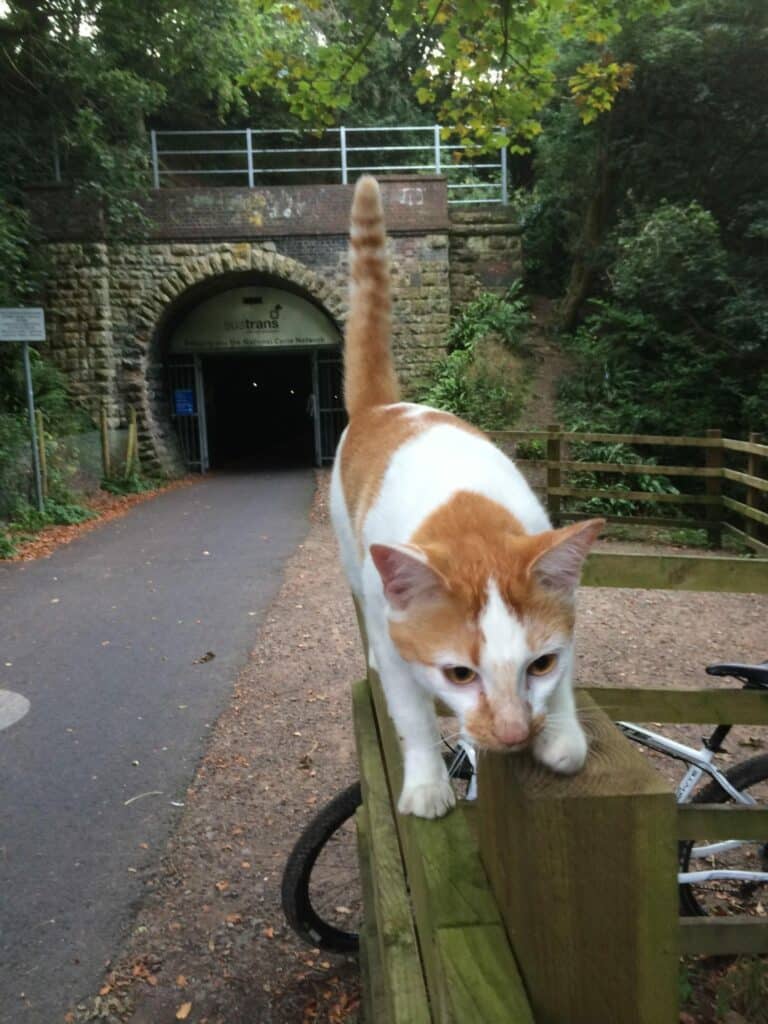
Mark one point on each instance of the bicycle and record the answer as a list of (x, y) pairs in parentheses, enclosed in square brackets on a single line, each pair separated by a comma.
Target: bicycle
[(321, 896)]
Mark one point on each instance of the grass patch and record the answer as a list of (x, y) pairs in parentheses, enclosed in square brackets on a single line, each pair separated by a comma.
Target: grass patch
[(26, 520)]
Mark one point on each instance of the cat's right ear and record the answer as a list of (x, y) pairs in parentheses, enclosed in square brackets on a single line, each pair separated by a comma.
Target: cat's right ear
[(406, 574)]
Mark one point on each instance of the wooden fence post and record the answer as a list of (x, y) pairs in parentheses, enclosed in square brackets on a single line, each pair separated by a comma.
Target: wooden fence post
[(106, 463), (554, 474), (584, 872), (42, 452), (130, 451), (754, 496), (714, 459)]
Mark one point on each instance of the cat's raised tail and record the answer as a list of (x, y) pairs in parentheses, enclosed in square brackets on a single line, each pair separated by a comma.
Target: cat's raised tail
[(369, 373)]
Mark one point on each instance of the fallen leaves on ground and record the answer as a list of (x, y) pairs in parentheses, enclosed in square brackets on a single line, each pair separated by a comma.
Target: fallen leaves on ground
[(106, 507)]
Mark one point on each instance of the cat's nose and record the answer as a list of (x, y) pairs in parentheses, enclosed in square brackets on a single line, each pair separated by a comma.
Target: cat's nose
[(511, 733)]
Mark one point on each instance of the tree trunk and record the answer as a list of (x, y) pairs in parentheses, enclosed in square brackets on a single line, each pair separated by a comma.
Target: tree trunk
[(583, 268)]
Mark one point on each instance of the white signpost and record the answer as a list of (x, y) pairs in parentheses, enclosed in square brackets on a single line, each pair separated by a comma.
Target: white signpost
[(23, 325)]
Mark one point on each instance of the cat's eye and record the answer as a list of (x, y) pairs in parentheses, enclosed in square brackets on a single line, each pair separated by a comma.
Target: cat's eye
[(541, 666), (460, 675)]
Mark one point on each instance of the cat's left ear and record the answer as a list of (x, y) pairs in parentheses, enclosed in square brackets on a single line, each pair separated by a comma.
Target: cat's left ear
[(406, 574), (558, 566)]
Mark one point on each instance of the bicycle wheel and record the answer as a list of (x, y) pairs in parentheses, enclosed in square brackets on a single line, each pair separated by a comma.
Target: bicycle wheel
[(321, 892), (726, 896)]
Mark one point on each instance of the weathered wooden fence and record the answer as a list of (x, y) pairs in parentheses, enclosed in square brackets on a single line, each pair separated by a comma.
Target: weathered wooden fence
[(552, 900), (724, 481)]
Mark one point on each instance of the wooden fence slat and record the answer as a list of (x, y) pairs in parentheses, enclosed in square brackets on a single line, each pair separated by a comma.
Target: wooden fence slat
[(747, 447), (693, 707), (721, 821), (754, 498), (449, 889), (745, 510), (398, 949), (473, 983), (753, 542), (374, 991), (746, 478), (723, 935), (573, 466), (668, 499), (714, 487), (554, 477), (670, 521), (664, 440), (584, 869), (518, 435), (677, 572)]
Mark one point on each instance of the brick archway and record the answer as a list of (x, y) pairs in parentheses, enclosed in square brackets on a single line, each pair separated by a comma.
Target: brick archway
[(142, 382)]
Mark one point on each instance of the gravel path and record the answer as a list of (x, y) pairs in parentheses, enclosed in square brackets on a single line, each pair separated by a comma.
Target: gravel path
[(211, 932)]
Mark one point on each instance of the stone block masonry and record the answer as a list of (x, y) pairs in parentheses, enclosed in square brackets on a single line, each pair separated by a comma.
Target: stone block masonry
[(485, 252), (111, 305)]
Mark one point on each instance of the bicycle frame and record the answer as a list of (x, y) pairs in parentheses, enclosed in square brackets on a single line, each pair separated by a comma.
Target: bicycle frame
[(701, 763)]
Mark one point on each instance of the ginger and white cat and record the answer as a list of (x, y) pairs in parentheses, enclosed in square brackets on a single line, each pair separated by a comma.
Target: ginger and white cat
[(467, 591)]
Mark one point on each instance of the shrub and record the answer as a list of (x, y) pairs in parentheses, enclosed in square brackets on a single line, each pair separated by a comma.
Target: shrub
[(482, 378)]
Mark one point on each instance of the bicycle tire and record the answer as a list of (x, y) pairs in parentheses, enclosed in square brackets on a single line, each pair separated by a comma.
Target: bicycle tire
[(294, 890), (741, 776), (295, 894)]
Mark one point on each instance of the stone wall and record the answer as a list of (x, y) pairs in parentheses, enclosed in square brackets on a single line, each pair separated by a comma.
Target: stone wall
[(110, 306), (485, 252)]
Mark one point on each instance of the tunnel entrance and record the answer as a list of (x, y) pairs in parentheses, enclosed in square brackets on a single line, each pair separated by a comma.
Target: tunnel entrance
[(259, 410), (254, 380)]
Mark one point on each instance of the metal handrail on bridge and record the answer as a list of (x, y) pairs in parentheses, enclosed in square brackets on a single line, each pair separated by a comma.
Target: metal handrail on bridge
[(250, 154)]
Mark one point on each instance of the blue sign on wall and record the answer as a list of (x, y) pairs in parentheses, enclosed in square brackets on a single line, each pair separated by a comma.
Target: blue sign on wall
[(184, 402)]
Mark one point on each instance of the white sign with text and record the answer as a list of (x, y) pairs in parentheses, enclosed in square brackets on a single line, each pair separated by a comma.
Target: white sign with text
[(22, 324)]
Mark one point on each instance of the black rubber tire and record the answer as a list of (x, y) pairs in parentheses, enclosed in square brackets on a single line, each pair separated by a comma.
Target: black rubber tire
[(741, 776), (294, 892)]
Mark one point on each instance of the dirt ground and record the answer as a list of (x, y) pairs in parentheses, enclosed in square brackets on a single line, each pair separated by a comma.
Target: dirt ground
[(209, 944)]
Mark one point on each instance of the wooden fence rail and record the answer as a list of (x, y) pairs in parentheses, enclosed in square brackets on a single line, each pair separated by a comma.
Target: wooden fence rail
[(732, 474)]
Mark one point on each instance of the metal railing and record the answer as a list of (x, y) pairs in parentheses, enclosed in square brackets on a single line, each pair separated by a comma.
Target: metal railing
[(277, 156)]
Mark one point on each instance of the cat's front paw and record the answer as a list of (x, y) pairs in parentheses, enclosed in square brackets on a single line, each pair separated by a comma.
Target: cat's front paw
[(564, 751), (427, 800)]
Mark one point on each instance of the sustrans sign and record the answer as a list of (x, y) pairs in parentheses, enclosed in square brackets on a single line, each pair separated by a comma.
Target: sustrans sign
[(244, 319)]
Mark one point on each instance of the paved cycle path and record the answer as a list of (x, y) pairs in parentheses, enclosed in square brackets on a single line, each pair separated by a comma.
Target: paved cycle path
[(110, 640)]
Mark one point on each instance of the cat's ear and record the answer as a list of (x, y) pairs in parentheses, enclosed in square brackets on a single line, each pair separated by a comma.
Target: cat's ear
[(406, 574), (558, 565)]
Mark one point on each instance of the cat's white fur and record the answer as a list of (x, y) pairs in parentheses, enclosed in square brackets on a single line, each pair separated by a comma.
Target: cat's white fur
[(423, 474)]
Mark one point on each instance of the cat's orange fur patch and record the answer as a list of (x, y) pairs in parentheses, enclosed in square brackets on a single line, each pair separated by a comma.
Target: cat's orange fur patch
[(369, 374), (373, 437), (469, 541)]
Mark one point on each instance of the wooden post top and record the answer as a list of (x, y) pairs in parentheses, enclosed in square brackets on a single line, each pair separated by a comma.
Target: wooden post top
[(614, 767)]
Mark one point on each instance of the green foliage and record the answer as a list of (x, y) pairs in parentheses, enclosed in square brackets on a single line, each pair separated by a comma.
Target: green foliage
[(487, 71), (482, 378), (25, 519), (132, 484), (669, 261), (681, 345), (620, 454), (506, 317), (62, 418), (7, 546), (660, 211)]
